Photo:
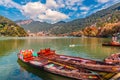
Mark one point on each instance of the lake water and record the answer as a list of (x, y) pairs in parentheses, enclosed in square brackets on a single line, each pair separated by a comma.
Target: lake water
[(12, 69)]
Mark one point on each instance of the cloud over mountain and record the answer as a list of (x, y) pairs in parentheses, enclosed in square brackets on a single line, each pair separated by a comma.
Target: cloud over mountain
[(52, 11)]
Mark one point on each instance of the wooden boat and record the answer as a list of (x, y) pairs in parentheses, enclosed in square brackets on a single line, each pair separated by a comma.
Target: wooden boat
[(79, 62), (111, 44), (58, 68), (113, 59)]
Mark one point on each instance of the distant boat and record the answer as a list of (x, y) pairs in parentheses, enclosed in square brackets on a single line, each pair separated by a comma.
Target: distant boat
[(110, 44)]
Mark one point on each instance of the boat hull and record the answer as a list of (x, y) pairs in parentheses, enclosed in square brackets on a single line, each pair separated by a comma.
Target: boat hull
[(40, 65), (108, 44), (113, 59), (86, 63)]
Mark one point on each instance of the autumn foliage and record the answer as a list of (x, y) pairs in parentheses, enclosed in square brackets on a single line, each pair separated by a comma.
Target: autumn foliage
[(94, 31)]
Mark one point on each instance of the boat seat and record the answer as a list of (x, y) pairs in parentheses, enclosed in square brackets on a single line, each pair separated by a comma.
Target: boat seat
[(76, 70), (60, 67)]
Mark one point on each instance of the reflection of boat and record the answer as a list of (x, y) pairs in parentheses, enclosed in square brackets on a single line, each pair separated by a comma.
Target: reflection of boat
[(68, 71), (113, 59), (40, 72), (58, 68), (79, 62), (109, 44)]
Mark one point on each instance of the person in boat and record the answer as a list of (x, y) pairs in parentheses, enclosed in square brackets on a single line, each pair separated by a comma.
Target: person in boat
[(114, 39)]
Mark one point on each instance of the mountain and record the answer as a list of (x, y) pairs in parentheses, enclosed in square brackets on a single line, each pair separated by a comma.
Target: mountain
[(34, 26), (9, 28), (109, 15), (97, 20), (60, 22), (23, 22)]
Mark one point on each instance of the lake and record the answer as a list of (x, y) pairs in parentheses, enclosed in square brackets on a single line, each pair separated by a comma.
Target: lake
[(12, 69)]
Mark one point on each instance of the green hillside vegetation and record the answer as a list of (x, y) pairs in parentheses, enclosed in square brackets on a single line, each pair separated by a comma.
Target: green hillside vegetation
[(9, 28)]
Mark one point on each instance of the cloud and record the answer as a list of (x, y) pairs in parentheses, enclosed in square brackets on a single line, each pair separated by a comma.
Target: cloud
[(9, 4), (32, 10), (69, 4), (56, 10), (73, 2), (43, 12), (100, 6), (52, 16), (46, 12), (103, 4), (84, 13), (38, 11), (60, 3), (102, 1), (51, 4), (84, 8)]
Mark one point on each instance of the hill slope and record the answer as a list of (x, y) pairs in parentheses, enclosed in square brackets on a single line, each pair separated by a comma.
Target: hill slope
[(9, 28), (34, 26), (110, 15)]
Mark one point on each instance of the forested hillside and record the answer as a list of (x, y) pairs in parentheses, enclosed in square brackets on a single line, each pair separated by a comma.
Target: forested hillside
[(9, 28), (98, 19)]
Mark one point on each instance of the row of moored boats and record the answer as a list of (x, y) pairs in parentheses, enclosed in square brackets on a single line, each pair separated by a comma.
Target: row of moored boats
[(69, 66)]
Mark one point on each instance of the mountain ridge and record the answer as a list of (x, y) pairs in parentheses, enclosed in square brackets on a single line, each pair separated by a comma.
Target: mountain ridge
[(99, 19)]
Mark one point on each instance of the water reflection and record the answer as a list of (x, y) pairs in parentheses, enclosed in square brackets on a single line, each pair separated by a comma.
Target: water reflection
[(39, 72), (7, 46), (84, 47)]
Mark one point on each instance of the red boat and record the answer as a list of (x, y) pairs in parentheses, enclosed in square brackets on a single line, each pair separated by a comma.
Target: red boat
[(79, 62), (116, 44), (56, 67)]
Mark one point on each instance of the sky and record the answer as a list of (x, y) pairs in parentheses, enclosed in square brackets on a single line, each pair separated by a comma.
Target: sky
[(51, 11)]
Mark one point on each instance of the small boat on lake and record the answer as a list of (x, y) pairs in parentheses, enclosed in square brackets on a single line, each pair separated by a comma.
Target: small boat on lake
[(113, 59), (112, 44), (79, 62), (56, 67)]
